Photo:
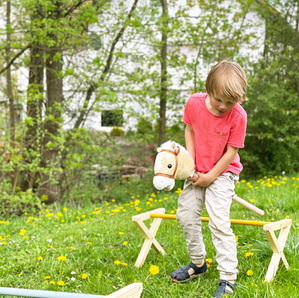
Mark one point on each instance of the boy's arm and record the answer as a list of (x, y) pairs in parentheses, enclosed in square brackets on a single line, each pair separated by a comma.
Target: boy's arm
[(205, 180), (190, 143)]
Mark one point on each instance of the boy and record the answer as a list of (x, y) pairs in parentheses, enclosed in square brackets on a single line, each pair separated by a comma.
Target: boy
[(216, 126)]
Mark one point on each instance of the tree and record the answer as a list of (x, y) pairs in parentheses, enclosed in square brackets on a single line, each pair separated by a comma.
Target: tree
[(273, 106)]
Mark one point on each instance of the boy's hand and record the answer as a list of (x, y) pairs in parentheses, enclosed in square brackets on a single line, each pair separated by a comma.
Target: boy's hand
[(203, 180), (193, 178)]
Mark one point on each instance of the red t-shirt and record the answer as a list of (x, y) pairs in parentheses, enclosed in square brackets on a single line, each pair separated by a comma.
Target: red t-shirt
[(213, 133)]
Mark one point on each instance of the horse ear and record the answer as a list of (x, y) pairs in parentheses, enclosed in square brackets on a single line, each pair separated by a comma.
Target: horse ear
[(173, 145)]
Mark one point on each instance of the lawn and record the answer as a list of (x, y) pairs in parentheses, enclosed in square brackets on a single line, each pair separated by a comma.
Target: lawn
[(93, 249)]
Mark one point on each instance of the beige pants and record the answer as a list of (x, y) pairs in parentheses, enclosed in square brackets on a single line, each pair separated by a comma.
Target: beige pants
[(218, 198)]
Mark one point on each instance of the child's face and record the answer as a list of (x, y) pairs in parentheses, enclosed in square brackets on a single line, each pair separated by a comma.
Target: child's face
[(220, 107)]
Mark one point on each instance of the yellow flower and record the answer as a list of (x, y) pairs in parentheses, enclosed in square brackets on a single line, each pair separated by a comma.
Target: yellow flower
[(84, 276), (252, 200), (22, 232), (124, 264), (121, 233), (61, 258), (125, 242), (237, 238), (248, 254), (60, 283), (52, 282), (117, 262), (47, 277), (64, 209), (154, 269), (209, 261), (39, 258), (90, 243), (59, 214), (249, 273)]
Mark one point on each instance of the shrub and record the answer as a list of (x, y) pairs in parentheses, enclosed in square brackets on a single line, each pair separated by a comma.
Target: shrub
[(116, 132)]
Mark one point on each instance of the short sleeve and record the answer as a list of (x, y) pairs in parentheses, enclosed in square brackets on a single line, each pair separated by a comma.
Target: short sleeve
[(238, 131), (186, 117)]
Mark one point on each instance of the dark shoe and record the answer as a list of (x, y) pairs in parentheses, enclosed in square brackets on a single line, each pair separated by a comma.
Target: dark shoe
[(182, 274), (225, 288)]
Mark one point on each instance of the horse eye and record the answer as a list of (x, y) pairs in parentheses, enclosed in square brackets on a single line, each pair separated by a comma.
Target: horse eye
[(169, 166)]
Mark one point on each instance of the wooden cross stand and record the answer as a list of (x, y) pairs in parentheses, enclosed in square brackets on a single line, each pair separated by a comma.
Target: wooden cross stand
[(277, 245)]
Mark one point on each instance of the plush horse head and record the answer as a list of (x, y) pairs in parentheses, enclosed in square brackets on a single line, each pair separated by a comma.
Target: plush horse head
[(172, 162)]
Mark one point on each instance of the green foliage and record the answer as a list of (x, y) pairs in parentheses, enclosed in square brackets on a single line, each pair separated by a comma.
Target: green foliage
[(117, 132), (272, 139), (144, 126), (19, 203)]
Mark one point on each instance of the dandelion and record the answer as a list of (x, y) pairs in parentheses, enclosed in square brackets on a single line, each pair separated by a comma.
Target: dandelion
[(22, 232), (64, 209), (59, 214), (52, 282), (89, 243), (117, 262), (60, 283), (265, 281), (61, 258), (84, 276), (249, 273), (237, 238), (125, 242), (248, 254), (20, 274), (47, 277), (121, 233), (154, 269), (252, 200), (40, 258), (124, 264), (209, 261)]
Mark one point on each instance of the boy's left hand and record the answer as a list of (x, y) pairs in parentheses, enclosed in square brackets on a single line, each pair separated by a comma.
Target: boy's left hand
[(204, 180)]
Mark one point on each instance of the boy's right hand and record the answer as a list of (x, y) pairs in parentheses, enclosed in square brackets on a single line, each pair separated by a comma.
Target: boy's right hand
[(193, 178)]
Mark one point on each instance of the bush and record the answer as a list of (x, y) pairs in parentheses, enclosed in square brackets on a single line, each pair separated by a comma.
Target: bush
[(20, 203), (116, 132)]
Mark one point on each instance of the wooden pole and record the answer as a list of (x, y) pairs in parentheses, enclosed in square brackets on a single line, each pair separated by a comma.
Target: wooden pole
[(206, 219)]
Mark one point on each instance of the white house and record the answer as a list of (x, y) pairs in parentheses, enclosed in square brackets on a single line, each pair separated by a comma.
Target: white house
[(100, 118)]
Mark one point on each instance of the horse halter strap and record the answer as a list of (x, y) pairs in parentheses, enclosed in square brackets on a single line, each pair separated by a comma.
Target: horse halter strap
[(176, 163)]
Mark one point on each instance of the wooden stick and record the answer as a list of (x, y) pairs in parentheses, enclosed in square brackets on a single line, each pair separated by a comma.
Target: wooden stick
[(248, 205), (206, 219)]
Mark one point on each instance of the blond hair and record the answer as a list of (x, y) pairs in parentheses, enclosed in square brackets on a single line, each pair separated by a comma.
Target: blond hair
[(227, 80)]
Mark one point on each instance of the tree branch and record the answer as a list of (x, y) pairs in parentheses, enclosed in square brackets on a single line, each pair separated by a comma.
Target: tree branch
[(14, 58), (107, 67)]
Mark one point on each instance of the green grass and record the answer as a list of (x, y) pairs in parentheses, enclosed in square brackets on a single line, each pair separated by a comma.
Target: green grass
[(102, 242)]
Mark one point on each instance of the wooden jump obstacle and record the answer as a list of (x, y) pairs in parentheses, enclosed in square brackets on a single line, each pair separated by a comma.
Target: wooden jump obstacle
[(133, 290), (277, 245)]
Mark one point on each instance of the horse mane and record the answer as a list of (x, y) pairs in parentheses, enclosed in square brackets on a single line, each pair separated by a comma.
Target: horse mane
[(168, 145)]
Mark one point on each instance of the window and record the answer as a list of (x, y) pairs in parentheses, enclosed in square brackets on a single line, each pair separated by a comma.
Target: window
[(112, 118)]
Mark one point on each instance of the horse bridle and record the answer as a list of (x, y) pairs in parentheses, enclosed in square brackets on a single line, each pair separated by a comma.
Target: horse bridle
[(176, 163)]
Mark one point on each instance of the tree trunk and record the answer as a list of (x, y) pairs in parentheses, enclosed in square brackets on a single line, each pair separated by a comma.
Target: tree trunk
[(51, 160), (34, 111), (163, 90), (8, 77)]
